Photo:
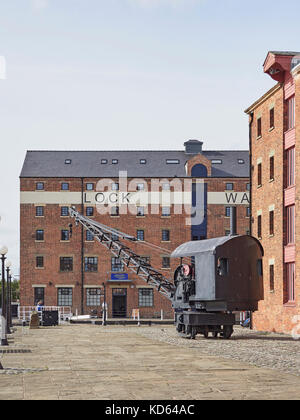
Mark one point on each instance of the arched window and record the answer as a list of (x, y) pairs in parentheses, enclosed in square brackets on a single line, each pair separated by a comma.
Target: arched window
[(199, 171)]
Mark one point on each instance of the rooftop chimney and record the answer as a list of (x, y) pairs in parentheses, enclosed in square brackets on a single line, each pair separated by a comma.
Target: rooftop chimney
[(193, 147)]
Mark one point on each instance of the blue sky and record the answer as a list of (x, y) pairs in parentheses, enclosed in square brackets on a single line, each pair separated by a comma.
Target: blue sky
[(130, 74)]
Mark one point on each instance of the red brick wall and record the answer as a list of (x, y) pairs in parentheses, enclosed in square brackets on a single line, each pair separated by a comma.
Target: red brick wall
[(52, 248), (273, 313)]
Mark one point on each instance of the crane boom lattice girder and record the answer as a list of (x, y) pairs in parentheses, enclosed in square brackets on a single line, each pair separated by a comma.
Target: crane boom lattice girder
[(131, 260)]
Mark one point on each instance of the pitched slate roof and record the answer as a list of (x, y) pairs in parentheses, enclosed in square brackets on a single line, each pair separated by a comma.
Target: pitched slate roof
[(87, 164)]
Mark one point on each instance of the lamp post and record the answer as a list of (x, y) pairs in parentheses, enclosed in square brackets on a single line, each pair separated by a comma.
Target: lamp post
[(8, 265), (10, 300), (3, 252)]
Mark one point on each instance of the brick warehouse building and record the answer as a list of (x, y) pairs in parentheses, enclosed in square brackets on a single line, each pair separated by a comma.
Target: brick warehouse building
[(274, 154), (69, 271)]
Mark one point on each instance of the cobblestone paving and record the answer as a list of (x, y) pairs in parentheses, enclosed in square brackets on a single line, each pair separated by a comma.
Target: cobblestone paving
[(134, 363), (274, 351)]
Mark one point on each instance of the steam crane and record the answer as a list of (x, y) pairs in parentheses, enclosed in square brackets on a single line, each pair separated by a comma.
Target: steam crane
[(134, 262), (223, 275)]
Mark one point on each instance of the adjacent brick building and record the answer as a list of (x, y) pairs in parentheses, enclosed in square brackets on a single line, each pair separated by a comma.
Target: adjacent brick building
[(274, 159), (70, 271)]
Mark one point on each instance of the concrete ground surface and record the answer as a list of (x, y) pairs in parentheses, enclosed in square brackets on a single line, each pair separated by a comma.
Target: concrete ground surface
[(90, 362)]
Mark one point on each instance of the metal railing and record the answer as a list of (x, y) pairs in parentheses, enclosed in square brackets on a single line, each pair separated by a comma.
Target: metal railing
[(64, 312)]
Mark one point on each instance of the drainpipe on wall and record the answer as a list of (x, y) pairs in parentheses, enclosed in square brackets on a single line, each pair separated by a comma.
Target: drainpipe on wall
[(82, 249), (250, 180), (250, 175)]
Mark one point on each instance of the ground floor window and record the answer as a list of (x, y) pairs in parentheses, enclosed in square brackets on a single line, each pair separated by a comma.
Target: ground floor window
[(93, 297), (145, 297), (65, 296), (39, 295)]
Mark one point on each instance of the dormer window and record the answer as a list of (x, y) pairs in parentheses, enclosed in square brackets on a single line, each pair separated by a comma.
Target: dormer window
[(241, 161), (104, 161), (68, 161), (217, 162), (143, 161), (115, 161), (173, 161)]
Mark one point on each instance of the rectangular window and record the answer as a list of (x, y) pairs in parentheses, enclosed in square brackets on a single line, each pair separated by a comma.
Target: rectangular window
[(145, 298), (272, 168), (91, 264), (64, 296), (89, 211), (165, 186), (64, 211), (165, 262), (140, 235), (39, 295), (165, 235), (89, 186), (229, 186), (89, 236), (248, 187), (40, 186), (140, 211), (39, 262), (248, 211), (39, 235), (272, 118), (290, 225), (65, 186), (93, 297), (116, 265), (114, 211), (140, 187), (259, 131), (66, 264), (65, 235), (115, 186), (272, 288), (227, 211), (39, 211), (290, 155), (259, 226), (165, 211), (259, 175), (291, 113), (290, 283), (271, 222)]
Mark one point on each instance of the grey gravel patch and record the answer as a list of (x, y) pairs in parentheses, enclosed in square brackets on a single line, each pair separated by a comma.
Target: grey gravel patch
[(265, 350)]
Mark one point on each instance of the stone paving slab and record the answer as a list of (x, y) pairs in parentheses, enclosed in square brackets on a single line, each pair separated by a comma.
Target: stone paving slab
[(75, 362)]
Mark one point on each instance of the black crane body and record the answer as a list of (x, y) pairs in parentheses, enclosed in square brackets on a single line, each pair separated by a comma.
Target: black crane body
[(222, 275)]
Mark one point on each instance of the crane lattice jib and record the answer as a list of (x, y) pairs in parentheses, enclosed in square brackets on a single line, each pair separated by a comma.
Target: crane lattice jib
[(134, 262)]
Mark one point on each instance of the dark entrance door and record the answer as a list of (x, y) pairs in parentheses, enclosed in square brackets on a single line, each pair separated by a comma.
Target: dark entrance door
[(119, 303)]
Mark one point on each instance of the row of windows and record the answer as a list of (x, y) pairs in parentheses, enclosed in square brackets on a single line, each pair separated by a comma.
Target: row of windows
[(65, 186), (93, 296), (90, 211), (66, 264), (289, 225), (290, 169), (289, 284), (65, 235), (290, 118)]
